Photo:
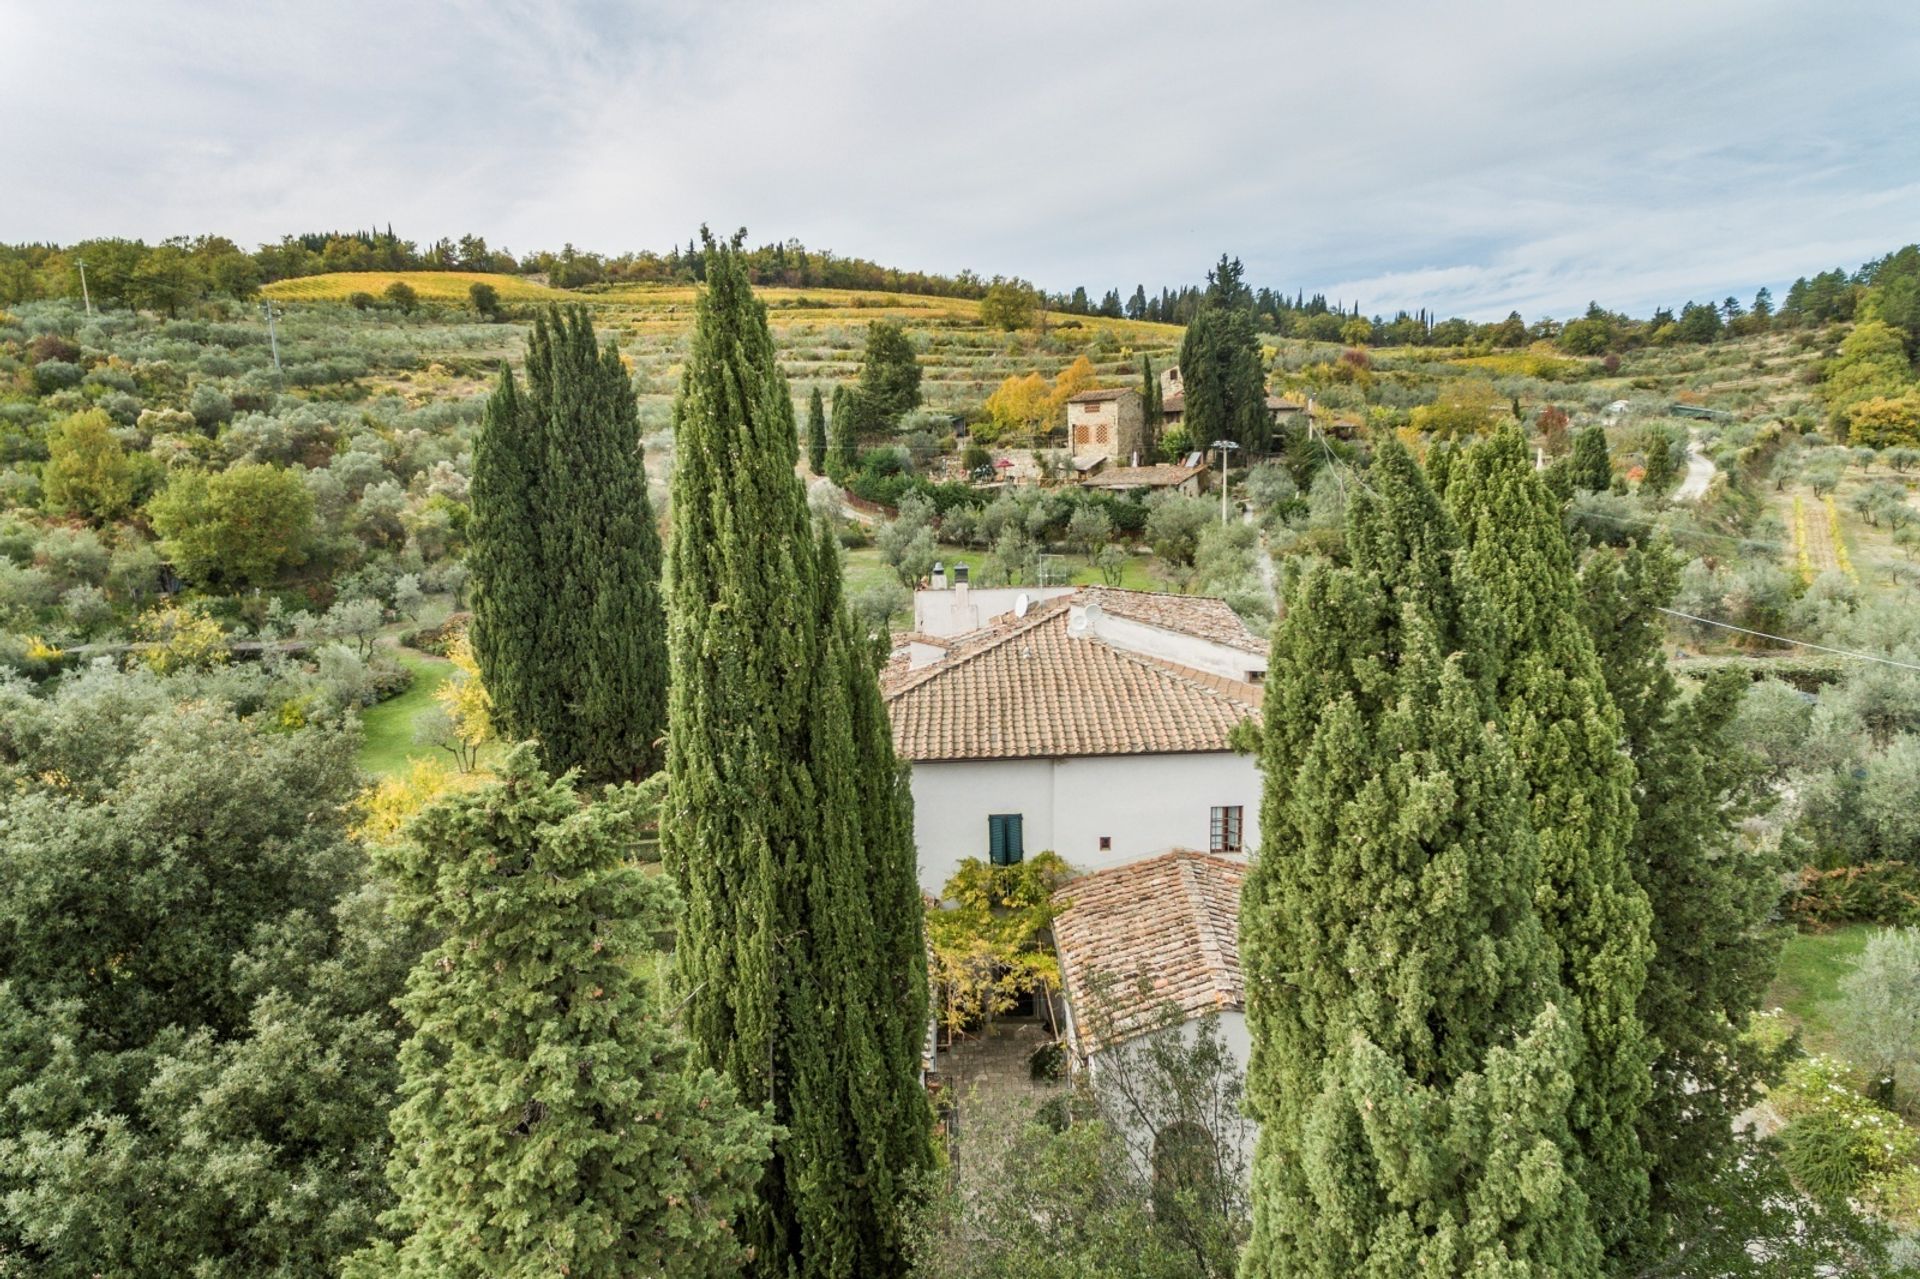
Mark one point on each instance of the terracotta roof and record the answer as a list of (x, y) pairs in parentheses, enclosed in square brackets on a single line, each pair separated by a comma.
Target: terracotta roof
[(1101, 393), (1160, 476), (1151, 932), (1031, 690), (1200, 615)]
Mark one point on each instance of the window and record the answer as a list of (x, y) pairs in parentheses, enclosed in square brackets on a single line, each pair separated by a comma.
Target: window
[(1106, 843), (1004, 847), (1080, 433), (1224, 831), (1100, 433)]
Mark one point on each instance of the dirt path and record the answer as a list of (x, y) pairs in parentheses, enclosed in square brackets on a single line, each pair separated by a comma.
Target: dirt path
[(1700, 473)]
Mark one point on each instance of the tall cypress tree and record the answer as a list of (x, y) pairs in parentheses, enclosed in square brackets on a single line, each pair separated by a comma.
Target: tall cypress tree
[(1711, 894), (816, 434), (548, 1119), (1567, 735), (843, 449), (785, 821), (1409, 1069), (568, 624), (1220, 370)]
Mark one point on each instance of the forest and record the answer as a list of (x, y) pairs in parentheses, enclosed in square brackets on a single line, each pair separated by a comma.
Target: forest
[(451, 819)]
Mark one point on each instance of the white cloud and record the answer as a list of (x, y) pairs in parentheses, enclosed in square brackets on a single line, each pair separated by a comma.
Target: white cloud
[(1468, 158)]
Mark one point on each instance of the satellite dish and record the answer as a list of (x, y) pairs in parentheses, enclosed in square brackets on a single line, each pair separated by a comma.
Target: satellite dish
[(1021, 605)]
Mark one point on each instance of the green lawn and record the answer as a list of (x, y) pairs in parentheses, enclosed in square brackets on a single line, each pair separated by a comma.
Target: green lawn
[(1808, 983), (386, 730)]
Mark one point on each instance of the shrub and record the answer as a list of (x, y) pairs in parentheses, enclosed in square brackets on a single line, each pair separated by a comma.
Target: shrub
[(1886, 892)]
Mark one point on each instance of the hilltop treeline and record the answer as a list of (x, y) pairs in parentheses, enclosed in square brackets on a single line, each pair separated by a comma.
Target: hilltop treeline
[(182, 270)]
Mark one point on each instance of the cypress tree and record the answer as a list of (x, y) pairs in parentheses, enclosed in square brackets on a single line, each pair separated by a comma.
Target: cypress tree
[(549, 1122), (1567, 735), (1592, 469), (816, 434), (1711, 895), (843, 456), (786, 821), (1410, 1070), (568, 623)]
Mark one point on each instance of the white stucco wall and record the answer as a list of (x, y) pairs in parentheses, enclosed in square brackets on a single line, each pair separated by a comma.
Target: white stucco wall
[(1238, 1039), (961, 610), (1174, 646), (1145, 804)]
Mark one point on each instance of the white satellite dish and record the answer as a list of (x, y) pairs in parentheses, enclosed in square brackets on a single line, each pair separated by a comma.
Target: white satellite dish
[(1021, 605)]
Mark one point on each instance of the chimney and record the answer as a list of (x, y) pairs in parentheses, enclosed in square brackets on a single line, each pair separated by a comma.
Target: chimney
[(939, 576), (1136, 458), (959, 575)]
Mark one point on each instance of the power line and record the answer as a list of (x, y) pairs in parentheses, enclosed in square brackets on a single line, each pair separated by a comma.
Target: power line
[(1785, 639)]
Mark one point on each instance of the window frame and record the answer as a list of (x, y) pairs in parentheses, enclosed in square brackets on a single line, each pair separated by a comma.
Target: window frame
[(1227, 828)]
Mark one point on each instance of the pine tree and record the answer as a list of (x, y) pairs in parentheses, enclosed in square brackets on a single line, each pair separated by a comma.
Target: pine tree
[(816, 434), (568, 623), (1567, 735), (786, 821), (549, 1123), (1410, 1070), (1711, 894), (1592, 469)]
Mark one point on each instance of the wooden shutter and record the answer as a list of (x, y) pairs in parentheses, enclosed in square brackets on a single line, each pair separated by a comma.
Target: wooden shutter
[(1004, 847)]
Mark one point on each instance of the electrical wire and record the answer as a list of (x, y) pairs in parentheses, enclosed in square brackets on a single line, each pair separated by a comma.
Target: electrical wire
[(1787, 639)]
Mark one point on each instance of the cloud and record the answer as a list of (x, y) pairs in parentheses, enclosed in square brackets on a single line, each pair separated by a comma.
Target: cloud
[(1466, 158)]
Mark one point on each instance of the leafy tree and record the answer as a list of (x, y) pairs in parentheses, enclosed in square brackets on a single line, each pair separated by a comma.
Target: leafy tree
[(816, 433), (240, 527), (1592, 466), (1021, 407), (1009, 305), (485, 300), (906, 543), (1880, 1015), (787, 821), (548, 1123), (568, 625), (1566, 734), (1174, 524), (195, 988), (889, 374), (87, 472), (1410, 1071), (401, 295), (1885, 422)]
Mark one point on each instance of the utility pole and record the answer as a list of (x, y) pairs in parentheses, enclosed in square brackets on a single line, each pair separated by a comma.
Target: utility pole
[(273, 339), (1225, 447), (84, 295)]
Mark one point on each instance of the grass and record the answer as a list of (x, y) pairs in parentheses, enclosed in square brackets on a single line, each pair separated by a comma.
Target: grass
[(386, 729), (1808, 983)]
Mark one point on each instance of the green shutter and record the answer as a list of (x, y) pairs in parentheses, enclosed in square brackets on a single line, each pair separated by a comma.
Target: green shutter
[(1004, 844)]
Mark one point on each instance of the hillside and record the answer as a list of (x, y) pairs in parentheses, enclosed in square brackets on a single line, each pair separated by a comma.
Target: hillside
[(819, 332)]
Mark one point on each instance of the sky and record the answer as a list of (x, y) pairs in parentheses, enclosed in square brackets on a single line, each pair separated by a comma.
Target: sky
[(1473, 157)]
